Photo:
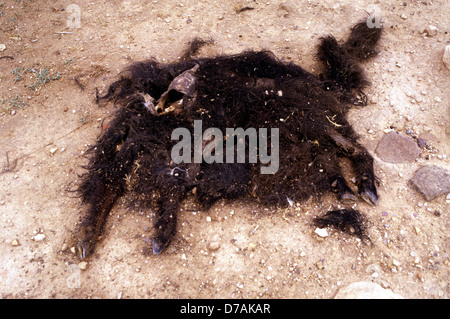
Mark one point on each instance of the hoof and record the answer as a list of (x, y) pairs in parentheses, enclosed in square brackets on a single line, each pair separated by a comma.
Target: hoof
[(348, 198), (159, 245), (82, 249), (369, 196), (85, 246)]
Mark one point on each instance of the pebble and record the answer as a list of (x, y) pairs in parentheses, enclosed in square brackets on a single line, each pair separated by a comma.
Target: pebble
[(395, 148), (321, 232), (53, 150), (320, 264), (2, 47), (83, 265), (446, 56), (214, 245), (15, 243), (430, 31), (403, 16), (39, 237), (432, 181), (421, 142)]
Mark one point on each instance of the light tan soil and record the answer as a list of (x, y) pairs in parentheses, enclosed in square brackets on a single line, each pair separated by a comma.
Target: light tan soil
[(262, 253)]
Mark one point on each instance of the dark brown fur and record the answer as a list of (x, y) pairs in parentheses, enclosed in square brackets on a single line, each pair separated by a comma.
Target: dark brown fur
[(243, 90)]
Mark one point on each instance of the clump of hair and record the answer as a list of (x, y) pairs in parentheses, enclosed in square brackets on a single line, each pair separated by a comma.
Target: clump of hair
[(347, 220)]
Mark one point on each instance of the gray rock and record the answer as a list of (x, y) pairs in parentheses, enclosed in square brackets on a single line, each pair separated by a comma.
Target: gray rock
[(365, 290), (395, 148), (431, 181)]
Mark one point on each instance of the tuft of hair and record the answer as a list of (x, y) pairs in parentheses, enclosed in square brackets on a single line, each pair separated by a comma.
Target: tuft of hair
[(347, 220), (362, 41), (342, 71)]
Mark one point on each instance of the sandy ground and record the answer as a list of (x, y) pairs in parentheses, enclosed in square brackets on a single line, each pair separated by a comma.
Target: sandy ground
[(45, 129)]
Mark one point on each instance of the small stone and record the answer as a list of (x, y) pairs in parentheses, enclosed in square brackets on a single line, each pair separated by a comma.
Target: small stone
[(395, 148), (213, 246), (73, 250), (421, 142), (53, 150), (321, 232), (430, 31), (446, 56), (420, 276), (432, 181), (320, 264), (2, 47), (39, 237), (15, 243), (403, 16), (83, 265)]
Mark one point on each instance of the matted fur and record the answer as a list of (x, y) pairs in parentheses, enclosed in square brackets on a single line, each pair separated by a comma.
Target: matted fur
[(251, 89)]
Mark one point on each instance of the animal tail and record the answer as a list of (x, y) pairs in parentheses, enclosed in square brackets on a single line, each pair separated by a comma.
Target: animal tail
[(341, 61)]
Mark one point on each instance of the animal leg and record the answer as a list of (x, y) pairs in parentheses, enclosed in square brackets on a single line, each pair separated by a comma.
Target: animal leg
[(362, 163), (365, 176), (103, 185), (328, 164), (345, 193), (172, 192)]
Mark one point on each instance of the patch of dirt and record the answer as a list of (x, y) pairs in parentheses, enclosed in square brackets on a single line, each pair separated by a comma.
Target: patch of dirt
[(45, 129)]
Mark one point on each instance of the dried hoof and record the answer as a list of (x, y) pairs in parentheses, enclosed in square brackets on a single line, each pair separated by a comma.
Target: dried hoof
[(159, 245), (86, 244), (348, 198), (368, 192)]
